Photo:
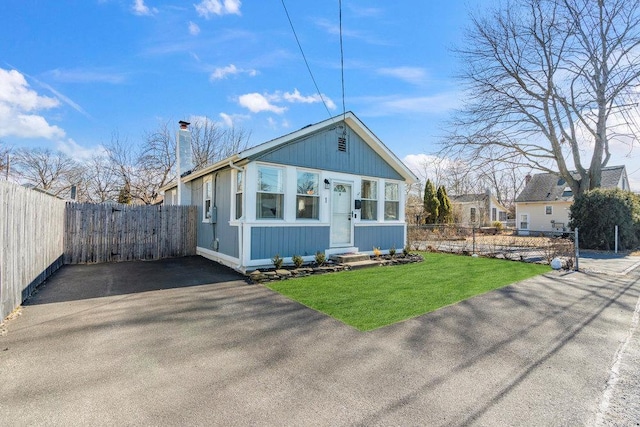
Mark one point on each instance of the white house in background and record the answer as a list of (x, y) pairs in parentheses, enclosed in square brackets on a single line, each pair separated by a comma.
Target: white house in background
[(331, 187), (543, 204), (479, 210)]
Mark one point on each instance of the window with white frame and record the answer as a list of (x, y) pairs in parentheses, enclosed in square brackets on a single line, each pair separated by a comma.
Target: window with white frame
[(548, 210), (369, 200), (307, 196), (391, 201), (239, 191), (206, 200), (270, 194)]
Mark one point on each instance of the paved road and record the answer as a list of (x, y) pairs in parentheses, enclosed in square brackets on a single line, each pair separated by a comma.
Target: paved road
[(188, 342)]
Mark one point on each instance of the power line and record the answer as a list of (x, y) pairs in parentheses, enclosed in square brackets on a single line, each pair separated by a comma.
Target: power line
[(344, 110), (305, 59)]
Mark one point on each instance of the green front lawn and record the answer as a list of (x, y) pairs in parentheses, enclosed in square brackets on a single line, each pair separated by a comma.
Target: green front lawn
[(374, 297)]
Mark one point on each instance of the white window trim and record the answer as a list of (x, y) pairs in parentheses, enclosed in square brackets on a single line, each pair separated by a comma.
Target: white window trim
[(400, 200), (205, 181), (545, 209), (377, 199), (285, 185), (234, 193), (318, 195)]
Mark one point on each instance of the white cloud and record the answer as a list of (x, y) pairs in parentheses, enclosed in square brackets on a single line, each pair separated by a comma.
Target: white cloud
[(208, 8), (257, 103), (230, 120), (440, 103), (78, 152), (194, 29), (78, 75), (18, 103), (414, 75), (296, 97), (222, 72), (139, 8)]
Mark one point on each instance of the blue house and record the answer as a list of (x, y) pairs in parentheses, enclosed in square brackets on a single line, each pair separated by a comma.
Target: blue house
[(330, 187)]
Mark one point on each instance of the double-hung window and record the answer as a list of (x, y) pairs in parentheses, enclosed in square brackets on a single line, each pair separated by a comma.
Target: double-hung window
[(239, 191), (391, 201), (206, 200), (270, 194), (369, 200), (307, 197)]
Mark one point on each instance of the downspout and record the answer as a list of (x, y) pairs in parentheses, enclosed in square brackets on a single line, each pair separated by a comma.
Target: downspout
[(241, 227)]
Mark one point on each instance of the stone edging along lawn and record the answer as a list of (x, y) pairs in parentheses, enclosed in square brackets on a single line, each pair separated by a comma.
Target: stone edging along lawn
[(272, 275)]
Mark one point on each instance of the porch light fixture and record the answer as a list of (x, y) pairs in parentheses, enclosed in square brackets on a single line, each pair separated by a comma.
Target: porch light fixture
[(327, 184)]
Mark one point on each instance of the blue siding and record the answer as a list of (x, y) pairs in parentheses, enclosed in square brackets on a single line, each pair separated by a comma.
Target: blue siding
[(320, 151), (288, 241), (226, 234), (383, 237)]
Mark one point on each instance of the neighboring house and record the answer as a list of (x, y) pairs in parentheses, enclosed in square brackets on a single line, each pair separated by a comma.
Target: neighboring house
[(543, 205), (478, 210), (332, 187)]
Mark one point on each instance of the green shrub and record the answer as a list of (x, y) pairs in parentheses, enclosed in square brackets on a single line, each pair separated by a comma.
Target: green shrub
[(320, 258), (392, 251), (497, 225), (277, 261), (597, 212), (297, 261)]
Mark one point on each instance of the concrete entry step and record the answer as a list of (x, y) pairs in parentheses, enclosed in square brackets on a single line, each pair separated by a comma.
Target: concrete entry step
[(350, 258), (362, 264)]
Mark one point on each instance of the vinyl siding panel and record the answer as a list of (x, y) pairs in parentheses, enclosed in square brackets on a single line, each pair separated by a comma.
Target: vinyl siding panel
[(539, 220), (383, 237), (320, 151), (288, 241)]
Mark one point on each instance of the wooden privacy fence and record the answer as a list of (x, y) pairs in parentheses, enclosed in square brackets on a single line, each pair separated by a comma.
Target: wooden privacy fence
[(105, 233), (31, 242)]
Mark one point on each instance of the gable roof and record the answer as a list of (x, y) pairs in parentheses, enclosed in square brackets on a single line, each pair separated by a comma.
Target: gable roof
[(549, 187), (349, 118), (478, 198), (468, 198)]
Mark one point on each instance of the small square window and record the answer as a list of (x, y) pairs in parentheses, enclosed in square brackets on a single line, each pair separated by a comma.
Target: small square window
[(548, 210)]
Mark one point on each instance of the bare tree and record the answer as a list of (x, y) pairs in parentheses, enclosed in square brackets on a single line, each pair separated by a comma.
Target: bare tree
[(5, 160), (122, 159), (545, 80), (51, 171), (101, 181), (211, 143)]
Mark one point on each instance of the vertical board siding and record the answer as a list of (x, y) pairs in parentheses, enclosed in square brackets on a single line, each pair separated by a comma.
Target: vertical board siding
[(226, 234), (288, 241), (31, 242), (383, 237), (320, 151), (108, 233)]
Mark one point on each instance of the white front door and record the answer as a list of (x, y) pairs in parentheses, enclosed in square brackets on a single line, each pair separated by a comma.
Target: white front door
[(341, 224)]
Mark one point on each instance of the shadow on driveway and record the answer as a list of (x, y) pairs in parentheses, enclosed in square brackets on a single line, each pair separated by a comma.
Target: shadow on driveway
[(78, 282)]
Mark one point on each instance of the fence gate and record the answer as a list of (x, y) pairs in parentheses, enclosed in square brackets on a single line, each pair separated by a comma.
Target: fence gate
[(106, 233)]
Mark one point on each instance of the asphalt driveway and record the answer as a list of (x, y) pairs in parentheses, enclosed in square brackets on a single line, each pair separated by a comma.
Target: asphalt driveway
[(189, 342)]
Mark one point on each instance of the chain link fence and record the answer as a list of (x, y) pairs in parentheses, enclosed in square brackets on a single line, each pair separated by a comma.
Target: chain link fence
[(512, 244)]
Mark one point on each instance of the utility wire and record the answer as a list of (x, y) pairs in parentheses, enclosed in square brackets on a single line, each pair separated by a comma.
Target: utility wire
[(305, 59), (344, 110)]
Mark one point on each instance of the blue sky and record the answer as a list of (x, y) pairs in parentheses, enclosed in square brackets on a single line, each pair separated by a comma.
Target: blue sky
[(73, 73)]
